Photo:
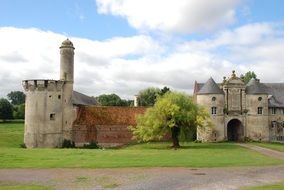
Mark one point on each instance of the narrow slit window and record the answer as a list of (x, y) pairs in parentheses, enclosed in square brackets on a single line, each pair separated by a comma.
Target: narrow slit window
[(259, 110), (59, 96)]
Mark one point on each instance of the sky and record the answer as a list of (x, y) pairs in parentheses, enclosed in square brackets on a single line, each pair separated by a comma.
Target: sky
[(124, 46)]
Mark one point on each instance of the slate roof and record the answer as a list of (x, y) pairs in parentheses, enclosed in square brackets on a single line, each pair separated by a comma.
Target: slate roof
[(276, 92), (82, 99), (210, 87), (255, 87)]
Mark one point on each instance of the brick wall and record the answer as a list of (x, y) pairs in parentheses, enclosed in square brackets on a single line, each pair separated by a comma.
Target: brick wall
[(107, 126)]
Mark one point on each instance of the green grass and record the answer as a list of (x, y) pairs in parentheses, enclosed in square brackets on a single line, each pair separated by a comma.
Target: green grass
[(142, 155), (274, 186), (11, 134), (23, 187), (274, 146)]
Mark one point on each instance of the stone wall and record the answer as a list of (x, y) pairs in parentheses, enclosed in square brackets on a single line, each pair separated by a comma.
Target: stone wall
[(108, 126)]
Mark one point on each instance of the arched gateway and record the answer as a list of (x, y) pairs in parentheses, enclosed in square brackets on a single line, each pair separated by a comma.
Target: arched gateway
[(235, 130)]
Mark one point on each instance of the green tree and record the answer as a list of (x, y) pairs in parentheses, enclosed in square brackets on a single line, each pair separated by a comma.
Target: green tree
[(173, 113), (164, 90), (19, 111), (6, 109), (248, 76), (148, 96), (16, 97), (112, 100)]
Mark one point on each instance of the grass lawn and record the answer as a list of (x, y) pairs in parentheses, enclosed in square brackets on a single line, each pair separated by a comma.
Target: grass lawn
[(274, 186), (23, 187), (274, 146), (142, 155)]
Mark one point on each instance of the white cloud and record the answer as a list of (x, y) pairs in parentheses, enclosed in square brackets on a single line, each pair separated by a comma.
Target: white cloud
[(182, 16), (125, 65)]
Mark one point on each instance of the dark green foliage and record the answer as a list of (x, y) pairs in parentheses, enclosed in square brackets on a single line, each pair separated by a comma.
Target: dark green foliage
[(91, 145), (6, 109), (68, 144), (249, 75), (19, 111), (148, 96), (17, 97), (23, 145), (112, 100)]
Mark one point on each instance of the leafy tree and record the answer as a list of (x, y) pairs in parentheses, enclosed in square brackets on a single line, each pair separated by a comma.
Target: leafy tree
[(173, 113), (16, 97), (19, 112), (112, 100), (6, 109), (148, 96), (164, 90), (248, 76)]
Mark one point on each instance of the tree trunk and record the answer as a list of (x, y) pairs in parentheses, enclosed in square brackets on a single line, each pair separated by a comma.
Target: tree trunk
[(175, 133)]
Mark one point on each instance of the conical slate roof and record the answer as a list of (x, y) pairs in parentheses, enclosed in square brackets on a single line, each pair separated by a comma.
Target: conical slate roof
[(255, 87), (210, 87)]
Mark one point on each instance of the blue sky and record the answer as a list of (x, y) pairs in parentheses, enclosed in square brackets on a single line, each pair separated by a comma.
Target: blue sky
[(123, 46)]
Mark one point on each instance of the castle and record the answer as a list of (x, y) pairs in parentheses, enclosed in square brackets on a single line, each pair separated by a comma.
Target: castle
[(254, 111), (55, 113)]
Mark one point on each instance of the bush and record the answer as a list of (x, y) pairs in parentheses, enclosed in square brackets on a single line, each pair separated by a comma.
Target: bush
[(68, 144), (91, 145)]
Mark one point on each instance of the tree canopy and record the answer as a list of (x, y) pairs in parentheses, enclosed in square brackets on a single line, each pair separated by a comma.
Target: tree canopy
[(16, 97), (172, 113), (148, 96), (112, 100), (248, 76), (6, 109)]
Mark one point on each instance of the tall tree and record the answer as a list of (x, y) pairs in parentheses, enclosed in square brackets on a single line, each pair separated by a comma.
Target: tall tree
[(6, 109), (172, 113), (148, 96), (164, 90), (112, 100), (248, 76), (16, 97)]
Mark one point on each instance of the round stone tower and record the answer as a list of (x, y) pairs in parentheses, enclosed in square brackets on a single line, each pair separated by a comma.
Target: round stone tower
[(67, 61), (49, 112)]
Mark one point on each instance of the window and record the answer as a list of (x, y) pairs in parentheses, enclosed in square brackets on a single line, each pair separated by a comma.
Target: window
[(259, 110), (213, 99), (259, 98), (273, 111), (52, 116), (213, 110), (59, 96)]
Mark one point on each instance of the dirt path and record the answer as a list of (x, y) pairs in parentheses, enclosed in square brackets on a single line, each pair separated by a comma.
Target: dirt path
[(146, 178), (265, 151)]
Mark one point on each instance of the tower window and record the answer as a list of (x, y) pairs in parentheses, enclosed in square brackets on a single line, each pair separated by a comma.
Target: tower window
[(52, 116), (273, 111), (259, 110), (213, 99), (259, 98), (213, 110), (59, 96)]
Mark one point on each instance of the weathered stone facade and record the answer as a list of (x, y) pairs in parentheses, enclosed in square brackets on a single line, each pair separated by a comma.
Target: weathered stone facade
[(254, 111)]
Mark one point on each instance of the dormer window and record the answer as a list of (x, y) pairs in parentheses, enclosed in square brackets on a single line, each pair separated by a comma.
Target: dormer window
[(273, 111)]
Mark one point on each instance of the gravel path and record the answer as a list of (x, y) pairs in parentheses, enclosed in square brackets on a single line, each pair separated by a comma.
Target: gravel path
[(265, 151), (146, 178)]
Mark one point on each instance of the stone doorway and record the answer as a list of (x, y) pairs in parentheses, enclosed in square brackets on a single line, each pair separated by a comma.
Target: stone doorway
[(235, 130)]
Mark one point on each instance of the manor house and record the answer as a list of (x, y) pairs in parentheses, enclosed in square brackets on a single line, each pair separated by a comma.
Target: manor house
[(253, 111)]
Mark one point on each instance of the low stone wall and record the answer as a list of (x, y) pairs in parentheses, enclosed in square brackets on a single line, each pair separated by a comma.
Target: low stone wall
[(108, 126)]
